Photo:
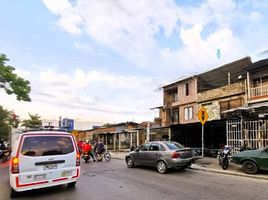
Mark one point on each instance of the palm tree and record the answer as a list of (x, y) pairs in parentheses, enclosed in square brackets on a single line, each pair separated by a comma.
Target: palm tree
[(34, 121)]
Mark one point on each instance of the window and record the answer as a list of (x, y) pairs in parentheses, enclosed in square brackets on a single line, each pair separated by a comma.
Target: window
[(188, 113), (186, 89), (47, 145), (162, 148), (174, 145), (174, 97), (231, 104), (154, 147), (175, 116), (144, 147)]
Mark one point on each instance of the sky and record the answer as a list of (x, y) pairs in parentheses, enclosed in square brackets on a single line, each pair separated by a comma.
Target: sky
[(105, 61)]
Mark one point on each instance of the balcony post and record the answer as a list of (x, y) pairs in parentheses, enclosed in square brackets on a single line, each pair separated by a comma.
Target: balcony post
[(249, 92)]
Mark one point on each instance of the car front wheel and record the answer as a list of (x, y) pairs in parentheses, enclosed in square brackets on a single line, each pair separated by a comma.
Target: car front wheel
[(162, 167), (250, 167), (130, 162)]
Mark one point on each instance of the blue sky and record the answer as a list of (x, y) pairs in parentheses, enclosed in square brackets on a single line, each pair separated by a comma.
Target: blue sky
[(103, 61)]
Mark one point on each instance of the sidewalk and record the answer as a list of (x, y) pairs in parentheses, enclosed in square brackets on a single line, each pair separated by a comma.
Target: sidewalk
[(210, 165)]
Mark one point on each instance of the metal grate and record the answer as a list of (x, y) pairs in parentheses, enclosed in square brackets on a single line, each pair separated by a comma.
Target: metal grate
[(247, 134)]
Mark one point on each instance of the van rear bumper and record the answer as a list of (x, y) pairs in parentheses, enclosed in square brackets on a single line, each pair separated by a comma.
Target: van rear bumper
[(19, 186)]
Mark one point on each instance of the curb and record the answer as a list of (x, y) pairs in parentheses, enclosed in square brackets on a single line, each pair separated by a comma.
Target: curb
[(118, 158), (197, 167)]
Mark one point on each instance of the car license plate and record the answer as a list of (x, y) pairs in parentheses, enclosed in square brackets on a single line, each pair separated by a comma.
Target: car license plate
[(39, 177), (50, 166), (66, 173)]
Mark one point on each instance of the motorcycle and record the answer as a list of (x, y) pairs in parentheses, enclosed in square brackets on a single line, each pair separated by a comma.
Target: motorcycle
[(106, 155), (86, 156), (4, 154), (224, 157), (80, 149)]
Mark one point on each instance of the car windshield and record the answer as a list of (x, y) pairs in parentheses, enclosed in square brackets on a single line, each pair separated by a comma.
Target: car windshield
[(47, 145), (174, 145)]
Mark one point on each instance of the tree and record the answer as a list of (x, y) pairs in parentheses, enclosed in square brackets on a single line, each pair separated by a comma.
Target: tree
[(7, 120), (11, 82), (34, 121)]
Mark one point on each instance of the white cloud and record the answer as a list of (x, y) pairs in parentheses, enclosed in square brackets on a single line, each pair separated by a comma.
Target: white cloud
[(93, 95), (130, 28), (70, 19), (127, 27), (255, 16)]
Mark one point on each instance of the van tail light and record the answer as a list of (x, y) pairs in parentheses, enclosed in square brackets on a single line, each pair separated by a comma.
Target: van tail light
[(15, 165), (176, 155), (77, 159)]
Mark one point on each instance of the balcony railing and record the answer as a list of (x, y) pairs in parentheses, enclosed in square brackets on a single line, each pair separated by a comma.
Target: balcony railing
[(259, 91)]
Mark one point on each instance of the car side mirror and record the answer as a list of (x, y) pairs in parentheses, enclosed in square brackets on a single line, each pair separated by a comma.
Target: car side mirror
[(137, 150)]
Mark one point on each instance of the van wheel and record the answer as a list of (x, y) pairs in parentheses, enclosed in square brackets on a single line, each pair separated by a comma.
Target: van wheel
[(71, 185), (13, 193)]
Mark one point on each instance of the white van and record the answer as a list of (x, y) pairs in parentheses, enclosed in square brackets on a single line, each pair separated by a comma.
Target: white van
[(43, 159)]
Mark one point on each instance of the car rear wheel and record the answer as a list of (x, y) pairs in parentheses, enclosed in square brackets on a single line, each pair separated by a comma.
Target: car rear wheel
[(162, 167), (71, 185), (250, 167), (130, 162), (13, 193)]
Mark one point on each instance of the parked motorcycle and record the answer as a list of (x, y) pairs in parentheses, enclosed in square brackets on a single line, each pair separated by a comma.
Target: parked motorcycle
[(224, 157)]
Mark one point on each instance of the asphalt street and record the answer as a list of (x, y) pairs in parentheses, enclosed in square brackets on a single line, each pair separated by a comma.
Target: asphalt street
[(113, 181)]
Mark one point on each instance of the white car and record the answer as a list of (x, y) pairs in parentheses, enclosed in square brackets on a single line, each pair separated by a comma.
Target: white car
[(44, 159)]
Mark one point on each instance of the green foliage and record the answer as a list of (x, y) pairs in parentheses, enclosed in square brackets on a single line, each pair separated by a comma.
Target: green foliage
[(11, 82), (7, 120), (107, 125), (34, 121)]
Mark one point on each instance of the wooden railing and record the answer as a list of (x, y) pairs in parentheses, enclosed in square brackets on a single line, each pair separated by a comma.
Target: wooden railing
[(259, 91)]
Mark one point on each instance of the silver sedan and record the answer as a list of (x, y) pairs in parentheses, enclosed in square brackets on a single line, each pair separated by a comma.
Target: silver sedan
[(160, 154)]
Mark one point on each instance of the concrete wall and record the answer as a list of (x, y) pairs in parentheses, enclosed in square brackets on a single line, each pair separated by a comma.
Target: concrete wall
[(222, 92), (192, 97)]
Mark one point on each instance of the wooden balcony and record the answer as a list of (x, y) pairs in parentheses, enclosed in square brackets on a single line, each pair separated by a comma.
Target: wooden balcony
[(259, 92)]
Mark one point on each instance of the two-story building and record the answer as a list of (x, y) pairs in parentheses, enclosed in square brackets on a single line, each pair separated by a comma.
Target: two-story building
[(217, 90), (179, 102)]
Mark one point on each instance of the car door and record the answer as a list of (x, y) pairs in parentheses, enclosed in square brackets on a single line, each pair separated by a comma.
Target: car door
[(139, 155), (153, 154), (264, 159)]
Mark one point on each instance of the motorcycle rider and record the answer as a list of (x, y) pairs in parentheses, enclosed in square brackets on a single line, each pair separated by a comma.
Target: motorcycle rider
[(100, 148), (80, 145), (87, 148), (2, 145), (2, 148)]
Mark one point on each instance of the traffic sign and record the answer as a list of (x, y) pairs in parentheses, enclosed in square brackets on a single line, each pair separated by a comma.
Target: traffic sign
[(75, 133), (202, 115)]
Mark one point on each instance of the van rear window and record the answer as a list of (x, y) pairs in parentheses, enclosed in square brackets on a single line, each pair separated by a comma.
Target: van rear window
[(47, 145)]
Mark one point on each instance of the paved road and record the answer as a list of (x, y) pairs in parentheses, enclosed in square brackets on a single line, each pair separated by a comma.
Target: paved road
[(115, 181)]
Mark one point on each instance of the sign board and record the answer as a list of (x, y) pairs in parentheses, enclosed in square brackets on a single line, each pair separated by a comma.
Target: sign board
[(68, 124), (75, 133), (202, 115)]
